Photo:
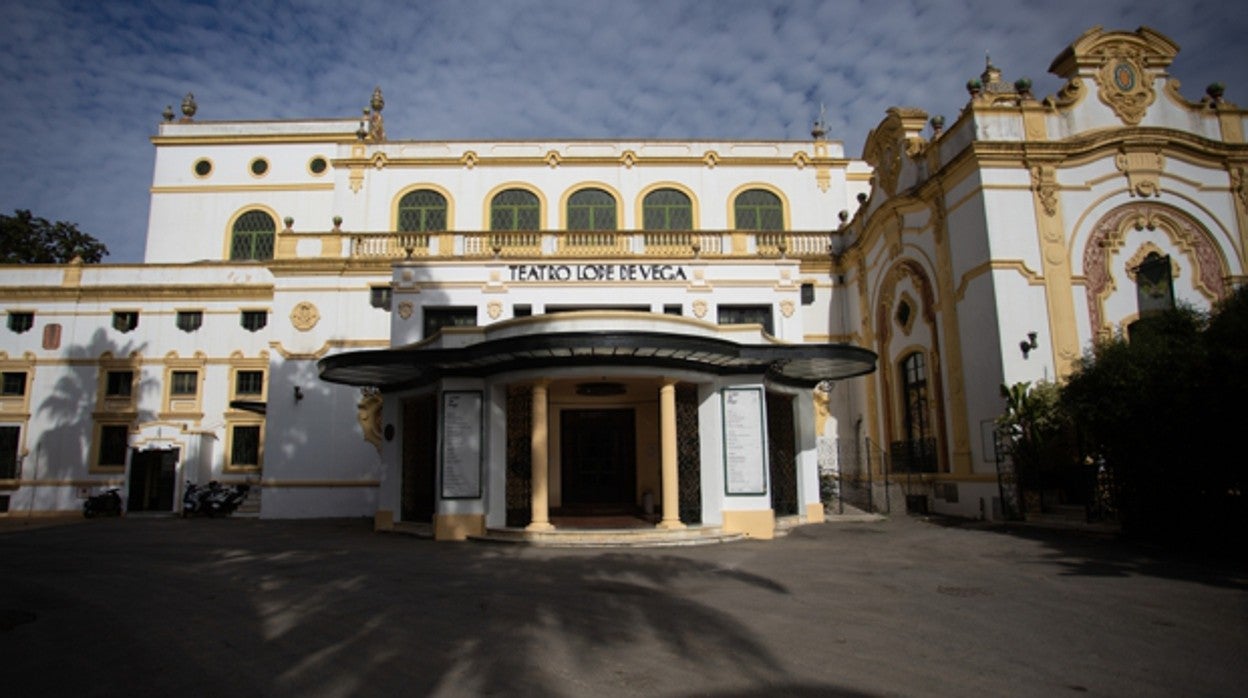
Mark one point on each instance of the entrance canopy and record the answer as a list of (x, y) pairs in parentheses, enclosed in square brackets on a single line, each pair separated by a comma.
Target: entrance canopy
[(598, 339)]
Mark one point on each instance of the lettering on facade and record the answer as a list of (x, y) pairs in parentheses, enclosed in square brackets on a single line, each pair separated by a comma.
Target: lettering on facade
[(597, 272)]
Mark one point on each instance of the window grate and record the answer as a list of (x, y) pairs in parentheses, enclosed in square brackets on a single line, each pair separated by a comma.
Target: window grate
[(190, 320), (20, 322), (125, 320), (254, 320)]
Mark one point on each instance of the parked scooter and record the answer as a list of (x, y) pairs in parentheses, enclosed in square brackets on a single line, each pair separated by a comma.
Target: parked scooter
[(193, 499), (106, 503), (214, 499)]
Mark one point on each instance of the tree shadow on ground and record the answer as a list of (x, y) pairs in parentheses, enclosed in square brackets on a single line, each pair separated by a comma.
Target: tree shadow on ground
[(1097, 554), (331, 609)]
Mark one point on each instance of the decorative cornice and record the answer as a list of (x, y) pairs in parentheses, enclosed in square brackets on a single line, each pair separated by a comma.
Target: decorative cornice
[(206, 292)]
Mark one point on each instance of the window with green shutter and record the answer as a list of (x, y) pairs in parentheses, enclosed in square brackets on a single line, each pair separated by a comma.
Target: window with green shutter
[(422, 210), (253, 236), (515, 209), (591, 209), (759, 209), (667, 209)]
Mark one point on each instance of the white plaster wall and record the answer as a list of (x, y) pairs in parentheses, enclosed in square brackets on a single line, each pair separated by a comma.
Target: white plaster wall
[(189, 218), (318, 438)]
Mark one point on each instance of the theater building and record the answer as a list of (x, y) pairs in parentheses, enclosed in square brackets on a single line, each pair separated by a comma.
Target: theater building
[(698, 335)]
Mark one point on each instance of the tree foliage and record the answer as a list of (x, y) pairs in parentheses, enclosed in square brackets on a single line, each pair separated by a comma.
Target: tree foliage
[(1162, 408), (28, 239), (1035, 430)]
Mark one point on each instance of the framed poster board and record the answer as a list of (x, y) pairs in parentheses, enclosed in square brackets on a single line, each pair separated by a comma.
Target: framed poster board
[(461, 444), (745, 441)]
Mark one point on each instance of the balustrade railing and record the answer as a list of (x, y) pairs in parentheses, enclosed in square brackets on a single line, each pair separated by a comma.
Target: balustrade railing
[(566, 243)]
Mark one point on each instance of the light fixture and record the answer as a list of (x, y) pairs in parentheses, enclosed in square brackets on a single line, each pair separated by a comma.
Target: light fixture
[(1028, 344), (298, 393)]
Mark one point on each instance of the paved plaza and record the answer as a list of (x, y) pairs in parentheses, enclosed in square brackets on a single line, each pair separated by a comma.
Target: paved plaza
[(905, 606)]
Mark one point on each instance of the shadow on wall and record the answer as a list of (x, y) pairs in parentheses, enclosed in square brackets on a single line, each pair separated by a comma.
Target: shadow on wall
[(64, 447)]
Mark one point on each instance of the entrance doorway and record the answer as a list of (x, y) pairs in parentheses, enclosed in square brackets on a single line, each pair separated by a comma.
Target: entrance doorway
[(598, 461), (420, 456), (153, 476)]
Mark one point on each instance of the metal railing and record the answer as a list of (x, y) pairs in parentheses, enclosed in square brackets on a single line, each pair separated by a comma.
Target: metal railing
[(861, 479)]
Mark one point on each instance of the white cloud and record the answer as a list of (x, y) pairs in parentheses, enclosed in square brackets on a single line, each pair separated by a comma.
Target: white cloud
[(83, 84)]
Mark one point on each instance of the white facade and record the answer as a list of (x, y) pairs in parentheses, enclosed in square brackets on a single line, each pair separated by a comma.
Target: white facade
[(940, 251)]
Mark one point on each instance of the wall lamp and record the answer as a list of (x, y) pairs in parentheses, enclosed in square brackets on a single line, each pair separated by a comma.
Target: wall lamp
[(1026, 345), (298, 393)]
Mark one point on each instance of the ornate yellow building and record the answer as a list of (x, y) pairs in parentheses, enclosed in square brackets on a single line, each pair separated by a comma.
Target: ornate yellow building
[(707, 337)]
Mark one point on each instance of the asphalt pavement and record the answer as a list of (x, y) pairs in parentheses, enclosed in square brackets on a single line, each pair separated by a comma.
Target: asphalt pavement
[(900, 607)]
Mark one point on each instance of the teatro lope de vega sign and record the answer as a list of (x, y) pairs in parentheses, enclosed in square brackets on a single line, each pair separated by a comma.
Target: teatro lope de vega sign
[(597, 272)]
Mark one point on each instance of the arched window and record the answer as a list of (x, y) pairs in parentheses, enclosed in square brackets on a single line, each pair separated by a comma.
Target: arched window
[(667, 209), (421, 211), (917, 452), (253, 236), (591, 209), (515, 209), (759, 209)]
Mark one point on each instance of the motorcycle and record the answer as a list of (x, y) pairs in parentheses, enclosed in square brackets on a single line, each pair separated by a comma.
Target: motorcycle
[(193, 499), (213, 500), (107, 503)]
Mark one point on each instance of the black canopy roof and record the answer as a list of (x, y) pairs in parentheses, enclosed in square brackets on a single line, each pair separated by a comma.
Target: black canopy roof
[(420, 364)]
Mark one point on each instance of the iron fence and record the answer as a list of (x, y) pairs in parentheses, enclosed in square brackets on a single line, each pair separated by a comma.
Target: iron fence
[(859, 480)]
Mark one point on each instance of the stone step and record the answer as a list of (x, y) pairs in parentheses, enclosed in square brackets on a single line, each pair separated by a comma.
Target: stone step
[(609, 538), (250, 508)]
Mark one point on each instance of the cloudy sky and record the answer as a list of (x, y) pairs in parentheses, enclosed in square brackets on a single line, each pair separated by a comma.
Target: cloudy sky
[(82, 84)]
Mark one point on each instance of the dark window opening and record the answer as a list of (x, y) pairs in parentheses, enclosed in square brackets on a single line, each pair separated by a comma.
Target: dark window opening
[(10, 442), (916, 453), (673, 309), (437, 318), (14, 384), (184, 383), (903, 314), (746, 315), (118, 383), (381, 297), (21, 322), (249, 383), (245, 446), (125, 320), (808, 294), (114, 441), (522, 310), (254, 320), (578, 308), (190, 320)]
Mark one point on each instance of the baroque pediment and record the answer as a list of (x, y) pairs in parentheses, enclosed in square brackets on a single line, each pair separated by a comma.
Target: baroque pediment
[(1123, 65)]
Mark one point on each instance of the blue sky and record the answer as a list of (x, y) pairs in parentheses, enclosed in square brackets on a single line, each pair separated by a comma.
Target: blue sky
[(83, 84)]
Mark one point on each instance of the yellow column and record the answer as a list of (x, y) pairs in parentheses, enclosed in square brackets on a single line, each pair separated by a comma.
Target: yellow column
[(667, 456), (540, 462)]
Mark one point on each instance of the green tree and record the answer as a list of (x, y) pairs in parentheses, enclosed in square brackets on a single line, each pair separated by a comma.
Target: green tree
[(1144, 404), (28, 239), (1035, 432)]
